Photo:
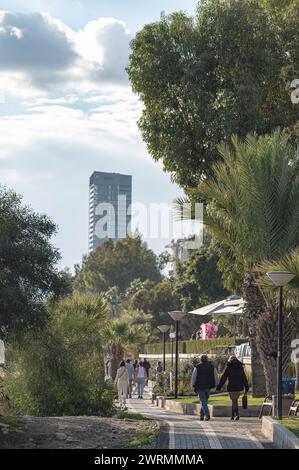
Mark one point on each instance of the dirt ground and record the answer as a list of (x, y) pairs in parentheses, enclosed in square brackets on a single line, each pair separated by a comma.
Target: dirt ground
[(80, 432)]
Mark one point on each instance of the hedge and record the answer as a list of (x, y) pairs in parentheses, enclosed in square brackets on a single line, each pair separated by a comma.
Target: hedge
[(193, 346)]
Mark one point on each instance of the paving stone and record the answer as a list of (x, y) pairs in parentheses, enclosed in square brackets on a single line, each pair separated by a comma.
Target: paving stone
[(190, 433)]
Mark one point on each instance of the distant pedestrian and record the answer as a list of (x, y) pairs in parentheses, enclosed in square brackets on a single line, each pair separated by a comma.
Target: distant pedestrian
[(204, 378), (130, 370), (140, 376), (122, 382), (159, 368), (135, 365), (237, 383), (147, 367)]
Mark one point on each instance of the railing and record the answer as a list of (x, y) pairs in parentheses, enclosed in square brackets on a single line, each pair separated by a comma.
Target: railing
[(193, 346)]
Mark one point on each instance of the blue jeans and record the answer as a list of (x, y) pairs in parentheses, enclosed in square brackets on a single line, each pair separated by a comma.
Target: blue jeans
[(204, 398)]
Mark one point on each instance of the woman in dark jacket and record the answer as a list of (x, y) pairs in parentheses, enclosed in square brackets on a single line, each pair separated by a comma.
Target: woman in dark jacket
[(237, 383)]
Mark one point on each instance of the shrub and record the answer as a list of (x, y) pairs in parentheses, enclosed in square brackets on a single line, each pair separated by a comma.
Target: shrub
[(194, 346), (162, 385), (60, 370)]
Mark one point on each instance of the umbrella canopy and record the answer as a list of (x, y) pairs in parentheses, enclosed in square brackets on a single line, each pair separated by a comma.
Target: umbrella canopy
[(233, 305)]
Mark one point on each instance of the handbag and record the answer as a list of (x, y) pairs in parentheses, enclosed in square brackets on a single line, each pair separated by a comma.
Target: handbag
[(244, 402)]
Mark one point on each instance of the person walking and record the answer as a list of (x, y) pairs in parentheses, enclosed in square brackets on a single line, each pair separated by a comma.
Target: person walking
[(130, 370), (140, 376), (204, 378), (159, 368), (237, 383), (147, 367), (122, 382), (135, 365)]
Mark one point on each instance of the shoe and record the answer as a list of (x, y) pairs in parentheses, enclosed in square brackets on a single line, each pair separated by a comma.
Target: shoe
[(141, 398), (232, 418), (237, 418), (201, 418), (207, 418)]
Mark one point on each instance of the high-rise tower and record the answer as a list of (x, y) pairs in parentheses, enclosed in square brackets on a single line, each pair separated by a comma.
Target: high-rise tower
[(110, 198)]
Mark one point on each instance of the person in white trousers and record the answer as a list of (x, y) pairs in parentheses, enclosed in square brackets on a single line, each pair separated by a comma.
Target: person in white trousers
[(122, 383)]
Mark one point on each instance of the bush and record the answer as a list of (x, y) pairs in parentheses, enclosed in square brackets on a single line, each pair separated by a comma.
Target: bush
[(162, 385), (60, 370), (194, 346)]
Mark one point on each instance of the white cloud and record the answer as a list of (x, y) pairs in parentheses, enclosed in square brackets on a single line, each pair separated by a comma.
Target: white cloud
[(40, 52), (69, 110)]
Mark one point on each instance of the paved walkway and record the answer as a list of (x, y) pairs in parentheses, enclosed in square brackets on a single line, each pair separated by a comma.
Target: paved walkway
[(188, 432)]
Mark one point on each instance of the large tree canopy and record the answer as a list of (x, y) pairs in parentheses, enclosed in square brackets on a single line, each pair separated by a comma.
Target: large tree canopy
[(28, 274), (117, 264), (226, 71), (199, 282)]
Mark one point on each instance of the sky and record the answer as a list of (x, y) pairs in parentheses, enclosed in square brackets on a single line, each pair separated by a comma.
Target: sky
[(67, 109)]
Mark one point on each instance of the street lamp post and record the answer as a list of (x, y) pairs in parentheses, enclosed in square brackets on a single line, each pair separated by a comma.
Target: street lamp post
[(176, 315), (164, 329), (280, 279), (172, 337)]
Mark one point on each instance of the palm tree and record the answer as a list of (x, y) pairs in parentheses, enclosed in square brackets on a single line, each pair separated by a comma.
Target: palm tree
[(253, 215), (118, 336), (288, 263)]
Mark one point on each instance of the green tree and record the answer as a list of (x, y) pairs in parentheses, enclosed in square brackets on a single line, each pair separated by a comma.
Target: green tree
[(117, 265), (156, 301), (288, 263), (226, 71), (253, 213), (199, 281), (28, 273), (119, 335)]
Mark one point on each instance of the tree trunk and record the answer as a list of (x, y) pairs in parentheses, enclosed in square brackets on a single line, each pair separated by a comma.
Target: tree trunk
[(258, 376), (117, 355), (266, 336), (254, 306)]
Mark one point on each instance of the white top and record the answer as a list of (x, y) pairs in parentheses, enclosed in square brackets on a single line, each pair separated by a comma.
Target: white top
[(140, 372), (121, 375)]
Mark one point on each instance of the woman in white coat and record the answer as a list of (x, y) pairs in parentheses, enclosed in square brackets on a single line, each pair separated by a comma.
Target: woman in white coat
[(122, 383)]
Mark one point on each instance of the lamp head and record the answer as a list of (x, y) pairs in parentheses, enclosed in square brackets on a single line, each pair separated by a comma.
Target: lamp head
[(163, 328), (280, 278), (177, 315)]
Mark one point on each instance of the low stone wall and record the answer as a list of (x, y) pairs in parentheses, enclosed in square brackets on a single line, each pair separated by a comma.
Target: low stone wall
[(216, 411), (278, 434), (182, 408)]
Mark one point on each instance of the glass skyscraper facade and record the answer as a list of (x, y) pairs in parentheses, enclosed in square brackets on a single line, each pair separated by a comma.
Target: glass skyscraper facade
[(110, 198)]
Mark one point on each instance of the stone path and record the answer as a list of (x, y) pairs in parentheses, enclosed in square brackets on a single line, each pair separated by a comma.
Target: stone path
[(188, 432)]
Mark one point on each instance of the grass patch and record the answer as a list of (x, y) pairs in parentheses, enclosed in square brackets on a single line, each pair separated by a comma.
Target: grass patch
[(145, 439), (123, 414), (292, 424), (12, 421), (221, 400)]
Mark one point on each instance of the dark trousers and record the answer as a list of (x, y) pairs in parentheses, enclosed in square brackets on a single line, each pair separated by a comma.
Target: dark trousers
[(234, 396)]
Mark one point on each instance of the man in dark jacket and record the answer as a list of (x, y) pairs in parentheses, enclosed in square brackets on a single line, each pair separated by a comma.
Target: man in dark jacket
[(204, 378), (237, 383), (147, 367)]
